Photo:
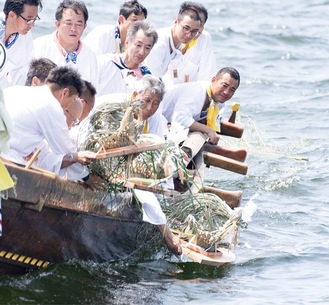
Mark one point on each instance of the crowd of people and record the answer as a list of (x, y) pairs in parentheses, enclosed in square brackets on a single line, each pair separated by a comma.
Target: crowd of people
[(52, 84)]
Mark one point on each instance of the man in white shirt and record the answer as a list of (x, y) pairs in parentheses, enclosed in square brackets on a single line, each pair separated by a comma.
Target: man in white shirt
[(122, 72), (198, 106), (105, 39), (37, 114), (64, 46), (171, 41), (198, 60), (16, 21)]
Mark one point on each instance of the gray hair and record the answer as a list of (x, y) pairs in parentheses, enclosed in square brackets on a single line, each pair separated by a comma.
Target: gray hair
[(154, 84), (144, 25)]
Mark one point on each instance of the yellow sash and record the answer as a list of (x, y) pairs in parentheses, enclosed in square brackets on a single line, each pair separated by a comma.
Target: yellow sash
[(213, 117), (146, 127), (189, 45), (5, 180)]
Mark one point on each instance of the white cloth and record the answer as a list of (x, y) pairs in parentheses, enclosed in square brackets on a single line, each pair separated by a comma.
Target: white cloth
[(38, 116), (101, 39), (198, 63), (152, 211), (86, 64), (160, 56), (18, 56)]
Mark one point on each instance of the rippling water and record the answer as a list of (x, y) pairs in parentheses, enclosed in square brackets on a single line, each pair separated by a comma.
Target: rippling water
[(281, 51)]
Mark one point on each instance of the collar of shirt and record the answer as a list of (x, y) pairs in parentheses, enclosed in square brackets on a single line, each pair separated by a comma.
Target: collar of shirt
[(11, 39), (69, 56)]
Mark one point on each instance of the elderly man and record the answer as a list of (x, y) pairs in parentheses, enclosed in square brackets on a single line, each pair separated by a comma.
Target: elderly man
[(64, 46), (105, 39), (121, 72), (18, 18)]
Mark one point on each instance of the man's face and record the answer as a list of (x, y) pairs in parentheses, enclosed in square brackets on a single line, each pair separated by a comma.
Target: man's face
[(71, 26), (186, 29), (125, 23), (150, 105), (223, 88), (24, 21), (138, 49)]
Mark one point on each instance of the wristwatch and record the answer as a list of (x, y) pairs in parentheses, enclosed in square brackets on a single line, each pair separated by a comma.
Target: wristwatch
[(71, 157)]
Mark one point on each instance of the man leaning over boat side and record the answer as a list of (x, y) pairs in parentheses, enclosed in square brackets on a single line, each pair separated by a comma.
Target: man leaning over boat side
[(151, 92), (172, 39), (16, 21), (122, 72), (37, 114), (198, 59), (198, 106), (105, 39), (64, 47)]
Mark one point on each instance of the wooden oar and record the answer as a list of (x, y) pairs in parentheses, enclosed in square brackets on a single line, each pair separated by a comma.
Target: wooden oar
[(211, 159), (128, 150), (193, 144), (232, 198), (231, 129)]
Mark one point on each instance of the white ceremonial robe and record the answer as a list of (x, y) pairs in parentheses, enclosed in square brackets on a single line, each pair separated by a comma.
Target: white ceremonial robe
[(86, 64), (182, 106), (101, 39), (112, 79), (197, 64), (37, 117), (160, 56), (18, 56)]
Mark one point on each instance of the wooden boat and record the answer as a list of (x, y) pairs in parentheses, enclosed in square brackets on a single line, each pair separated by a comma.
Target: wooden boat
[(48, 219)]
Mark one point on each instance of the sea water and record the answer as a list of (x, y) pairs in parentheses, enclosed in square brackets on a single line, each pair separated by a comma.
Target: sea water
[(281, 51)]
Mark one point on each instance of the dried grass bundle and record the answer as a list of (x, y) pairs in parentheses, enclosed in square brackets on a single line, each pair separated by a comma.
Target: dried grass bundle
[(203, 219)]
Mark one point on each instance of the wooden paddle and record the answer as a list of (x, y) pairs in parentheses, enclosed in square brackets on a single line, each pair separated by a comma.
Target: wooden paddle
[(211, 159), (128, 150)]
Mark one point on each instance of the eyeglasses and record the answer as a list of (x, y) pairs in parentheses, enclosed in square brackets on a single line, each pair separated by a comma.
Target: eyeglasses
[(76, 121), (187, 30), (29, 21)]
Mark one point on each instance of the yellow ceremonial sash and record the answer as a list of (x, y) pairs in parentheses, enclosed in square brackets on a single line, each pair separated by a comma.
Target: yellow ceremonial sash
[(213, 113), (5, 180), (146, 127), (189, 45)]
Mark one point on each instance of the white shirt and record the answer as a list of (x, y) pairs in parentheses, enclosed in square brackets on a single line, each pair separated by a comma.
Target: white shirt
[(113, 79), (101, 39), (198, 63), (160, 56), (86, 64), (18, 56), (37, 116)]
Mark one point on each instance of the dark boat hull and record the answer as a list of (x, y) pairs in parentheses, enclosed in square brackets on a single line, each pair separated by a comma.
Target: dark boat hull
[(60, 230)]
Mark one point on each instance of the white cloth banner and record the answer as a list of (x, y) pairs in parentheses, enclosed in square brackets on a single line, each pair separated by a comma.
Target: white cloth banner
[(152, 211)]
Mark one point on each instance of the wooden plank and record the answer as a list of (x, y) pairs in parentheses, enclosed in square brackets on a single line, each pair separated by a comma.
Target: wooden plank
[(219, 258), (231, 129), (211, 159), (128, 150)]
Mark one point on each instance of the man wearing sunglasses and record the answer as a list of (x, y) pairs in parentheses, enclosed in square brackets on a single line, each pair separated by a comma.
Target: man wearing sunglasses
[(16, 21)]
